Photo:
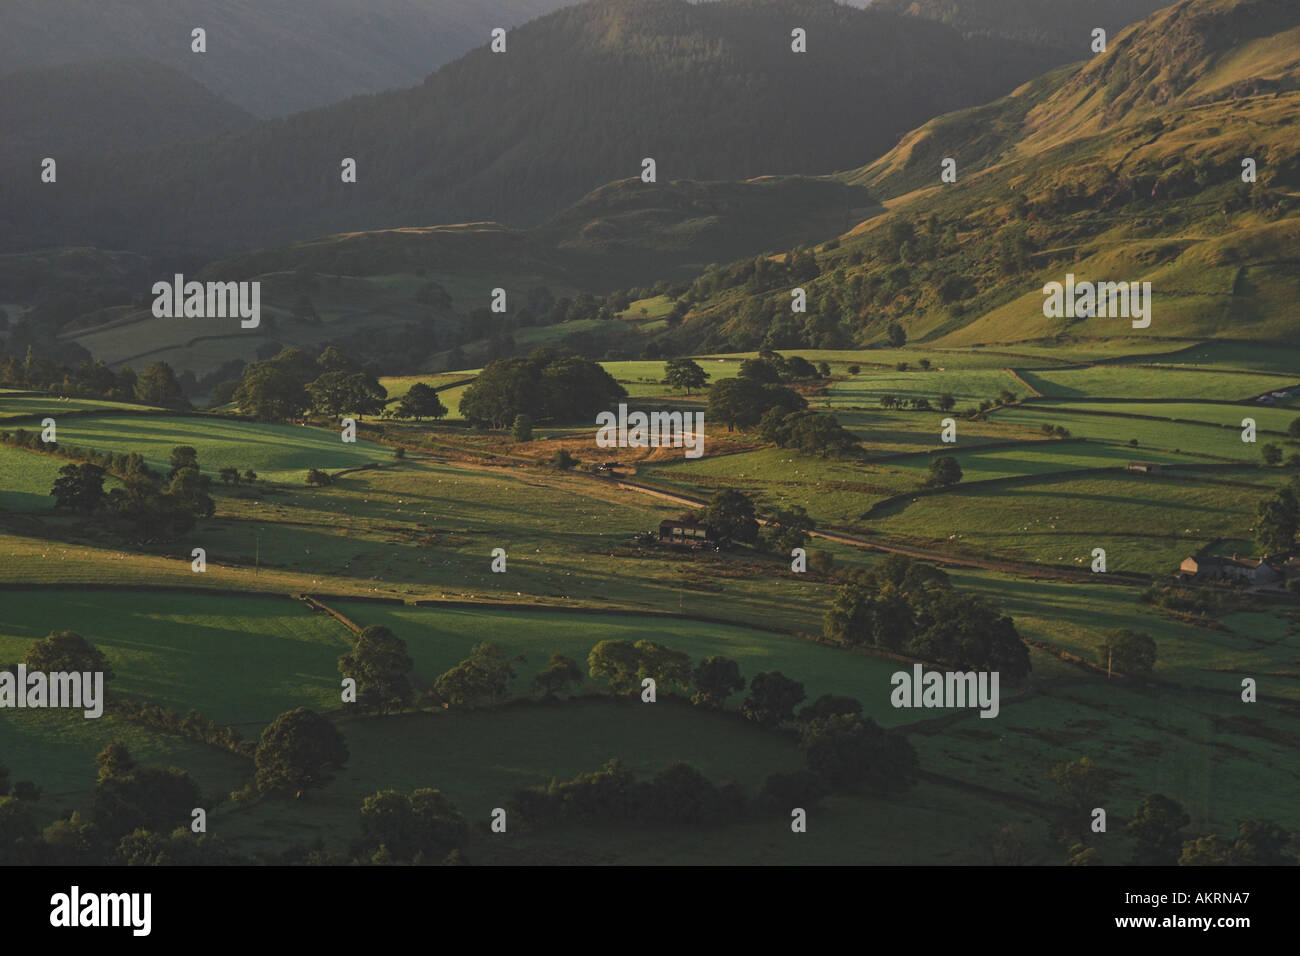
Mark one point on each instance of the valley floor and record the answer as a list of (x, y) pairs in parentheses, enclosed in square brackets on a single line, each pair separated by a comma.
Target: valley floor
[(407, 543)]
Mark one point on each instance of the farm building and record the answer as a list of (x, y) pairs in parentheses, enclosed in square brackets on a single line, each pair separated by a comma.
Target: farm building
[(1214, 567), (684, 532), (1144, 467)]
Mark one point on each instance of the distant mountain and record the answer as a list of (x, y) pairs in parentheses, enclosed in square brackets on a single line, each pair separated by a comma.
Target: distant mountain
[(105, 107), (1126, 168), (392, 296), (272, 57), (616, 236), (1065, 25), (709, 91)]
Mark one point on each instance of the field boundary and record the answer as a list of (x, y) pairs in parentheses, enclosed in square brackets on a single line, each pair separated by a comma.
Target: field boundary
[(1009, 443), (1153, 418), (1034, 392)]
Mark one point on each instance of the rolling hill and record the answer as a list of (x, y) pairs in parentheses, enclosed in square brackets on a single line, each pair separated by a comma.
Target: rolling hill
[(390, 294), (1125, 168)]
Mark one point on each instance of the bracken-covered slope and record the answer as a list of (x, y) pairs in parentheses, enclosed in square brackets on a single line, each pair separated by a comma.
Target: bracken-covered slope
[(1125, 168)]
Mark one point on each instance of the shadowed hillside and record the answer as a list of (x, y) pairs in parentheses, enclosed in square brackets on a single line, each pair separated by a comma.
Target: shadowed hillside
[(105, 107), (709, 91), (271, 57)]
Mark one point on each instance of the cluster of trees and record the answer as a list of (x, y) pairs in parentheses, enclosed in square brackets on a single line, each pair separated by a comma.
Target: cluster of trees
[(156, 385), (140, 815), (809, 432), (741, 402), (481, 680), (679, 794), (133, 809), (855, 296), (758, 396), (1005, 397), (731, 518), (22, 790), (910, 608), (944, 403), (1273, 453), (419, 827), (1128, 652), (382, 668), (852, 753), (159, 507), (844, 751), (121, 464), (843, 748), (298, 751), (1156, 827), (1277, 519), (1203, 601), (230, 475), (128, 796), (549, 385), (772, 367), (293, 383), (945, 471), (788, 528)]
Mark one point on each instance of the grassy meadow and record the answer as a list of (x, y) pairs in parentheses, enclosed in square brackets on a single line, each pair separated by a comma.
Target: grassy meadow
[(423, 529)]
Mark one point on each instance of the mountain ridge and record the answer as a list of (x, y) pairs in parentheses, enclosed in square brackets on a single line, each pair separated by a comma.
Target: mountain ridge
[(719, 96)]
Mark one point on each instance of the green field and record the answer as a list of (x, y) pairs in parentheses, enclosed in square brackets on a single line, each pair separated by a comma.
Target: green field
[(655, 307), (967, 386), (831, 490), (1229, 416), (645, 379), (1035, 458), (1145, 524), (1116, 381), (234, 659), (424, 528), (480, 759), (26, 406), (1126, 167), (439, 638), (1284, 360), (275, 452), (398, 386), (1193, 440), (26, 478), (56, 750)]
